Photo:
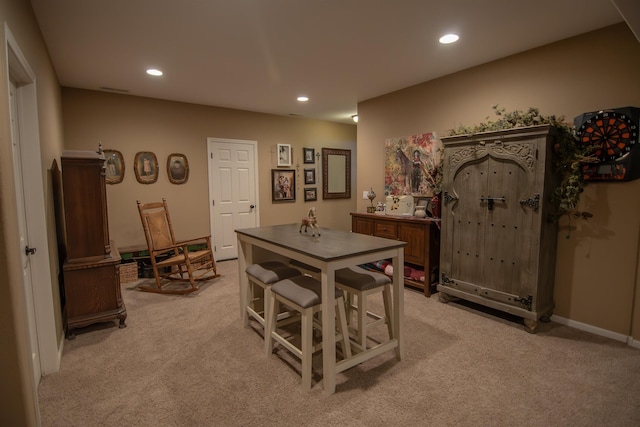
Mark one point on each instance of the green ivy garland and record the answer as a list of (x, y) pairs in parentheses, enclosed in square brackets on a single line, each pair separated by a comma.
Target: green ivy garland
[(569, 154)]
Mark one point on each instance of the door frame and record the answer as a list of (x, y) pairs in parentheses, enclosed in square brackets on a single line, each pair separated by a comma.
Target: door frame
[(18, 70), (211, 142)]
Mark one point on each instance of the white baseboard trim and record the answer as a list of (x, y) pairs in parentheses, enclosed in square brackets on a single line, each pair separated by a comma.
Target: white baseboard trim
[(597, 331), (633, 343)]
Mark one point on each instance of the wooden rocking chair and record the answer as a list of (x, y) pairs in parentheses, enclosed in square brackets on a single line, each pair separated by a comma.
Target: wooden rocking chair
[(172, 261)]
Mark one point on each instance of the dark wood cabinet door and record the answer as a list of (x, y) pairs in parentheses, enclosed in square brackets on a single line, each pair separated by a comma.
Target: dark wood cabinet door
[(85, 206), (415, 236), (362, 226)]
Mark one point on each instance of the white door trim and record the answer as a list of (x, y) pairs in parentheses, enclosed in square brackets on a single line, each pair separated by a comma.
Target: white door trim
[(18, 70)]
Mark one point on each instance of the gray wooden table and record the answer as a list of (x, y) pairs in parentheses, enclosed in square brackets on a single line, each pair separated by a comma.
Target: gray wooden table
[(330, 251)]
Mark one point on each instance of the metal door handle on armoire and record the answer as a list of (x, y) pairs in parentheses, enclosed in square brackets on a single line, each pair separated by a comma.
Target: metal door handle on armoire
[(490, 200)]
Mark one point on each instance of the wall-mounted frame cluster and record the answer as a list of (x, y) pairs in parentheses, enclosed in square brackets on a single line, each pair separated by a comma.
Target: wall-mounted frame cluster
[(145, 167)]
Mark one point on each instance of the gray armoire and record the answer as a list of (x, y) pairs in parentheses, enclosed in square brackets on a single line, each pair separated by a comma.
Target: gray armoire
[(498, 241)]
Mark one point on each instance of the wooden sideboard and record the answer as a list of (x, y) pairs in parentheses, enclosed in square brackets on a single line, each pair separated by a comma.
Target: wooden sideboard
[(423, 242)]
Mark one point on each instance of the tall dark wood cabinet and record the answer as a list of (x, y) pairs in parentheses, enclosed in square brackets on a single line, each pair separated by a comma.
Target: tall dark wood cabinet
[(422, 237), (91, 271), (498, 237)]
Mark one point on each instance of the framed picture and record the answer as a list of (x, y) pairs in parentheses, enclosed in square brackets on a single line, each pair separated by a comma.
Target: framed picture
[(114, 165), (422, 201), (310, 194), (146, 167), (177, 168), (283, 185), (309, 155), (284, 155), (309, 176), (336, 173)]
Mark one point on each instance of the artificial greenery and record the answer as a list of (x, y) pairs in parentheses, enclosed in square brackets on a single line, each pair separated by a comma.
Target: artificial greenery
[(569, 154)]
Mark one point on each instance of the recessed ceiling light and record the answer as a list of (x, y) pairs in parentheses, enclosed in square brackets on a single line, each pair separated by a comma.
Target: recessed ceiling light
[(449, 38), (303, 98), (154, 72)]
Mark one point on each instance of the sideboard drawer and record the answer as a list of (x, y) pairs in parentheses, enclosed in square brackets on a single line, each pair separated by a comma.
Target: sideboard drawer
[(387, 229)]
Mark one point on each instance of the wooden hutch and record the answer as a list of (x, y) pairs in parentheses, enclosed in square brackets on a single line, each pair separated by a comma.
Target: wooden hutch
[(91, 270)]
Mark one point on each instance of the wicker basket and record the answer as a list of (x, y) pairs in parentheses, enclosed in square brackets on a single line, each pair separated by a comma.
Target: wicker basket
[(128, 272)]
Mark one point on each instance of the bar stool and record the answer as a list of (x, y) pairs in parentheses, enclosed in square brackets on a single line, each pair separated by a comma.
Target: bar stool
[(304, 294), (264, 275), (356, 281)]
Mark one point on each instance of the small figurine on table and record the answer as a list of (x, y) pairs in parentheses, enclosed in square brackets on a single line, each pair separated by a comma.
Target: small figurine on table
[(310, 221)]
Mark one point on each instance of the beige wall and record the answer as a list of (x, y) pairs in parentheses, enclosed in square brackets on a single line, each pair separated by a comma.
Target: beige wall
[(130, 124), (18, 402), (596, 267)]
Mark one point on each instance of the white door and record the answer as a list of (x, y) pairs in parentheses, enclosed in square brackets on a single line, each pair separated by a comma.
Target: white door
[(232, 192), (24, 248), (40, 319)]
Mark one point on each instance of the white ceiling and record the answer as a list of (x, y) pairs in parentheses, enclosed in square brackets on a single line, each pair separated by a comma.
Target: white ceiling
[(258, 55)]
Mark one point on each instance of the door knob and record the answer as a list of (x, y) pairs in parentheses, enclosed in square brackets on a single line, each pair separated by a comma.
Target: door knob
[(252, 206), (29, 251)]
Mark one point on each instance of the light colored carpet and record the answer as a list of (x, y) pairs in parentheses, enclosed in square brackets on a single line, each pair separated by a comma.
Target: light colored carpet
[(187, 361)]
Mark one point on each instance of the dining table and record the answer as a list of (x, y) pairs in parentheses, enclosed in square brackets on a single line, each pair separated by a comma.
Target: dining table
[(328, 251)]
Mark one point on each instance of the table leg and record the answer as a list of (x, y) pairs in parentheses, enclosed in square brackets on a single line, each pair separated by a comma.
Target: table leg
[(245, 257), (328, 330), (398, 302)]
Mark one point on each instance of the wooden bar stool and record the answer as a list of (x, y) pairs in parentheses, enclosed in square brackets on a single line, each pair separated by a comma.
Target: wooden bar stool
[(264, 275), (303, 294), (356, 281)]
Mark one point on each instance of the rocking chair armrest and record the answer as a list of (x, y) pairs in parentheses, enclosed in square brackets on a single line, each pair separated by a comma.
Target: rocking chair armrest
[(204, 239), (182, 245), (160, 251)]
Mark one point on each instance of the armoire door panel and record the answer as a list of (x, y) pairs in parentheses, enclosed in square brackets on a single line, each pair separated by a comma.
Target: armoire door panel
[(505, 255), (468, 227)]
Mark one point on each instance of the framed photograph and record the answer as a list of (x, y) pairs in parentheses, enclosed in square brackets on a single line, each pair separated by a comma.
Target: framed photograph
[(309, 176), (146, 167), (284, 155), (422, 201), (283, 185), (114, 165), (310, 194), (309, 155), (177, 168)]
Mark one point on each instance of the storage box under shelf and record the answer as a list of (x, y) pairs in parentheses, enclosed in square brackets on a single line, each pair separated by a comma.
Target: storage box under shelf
[(128, 272)]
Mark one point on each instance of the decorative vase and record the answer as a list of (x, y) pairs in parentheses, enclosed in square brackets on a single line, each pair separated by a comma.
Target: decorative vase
[(420, 212)]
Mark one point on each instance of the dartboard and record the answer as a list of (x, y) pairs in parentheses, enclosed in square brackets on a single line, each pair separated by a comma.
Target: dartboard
[(612, 133)]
